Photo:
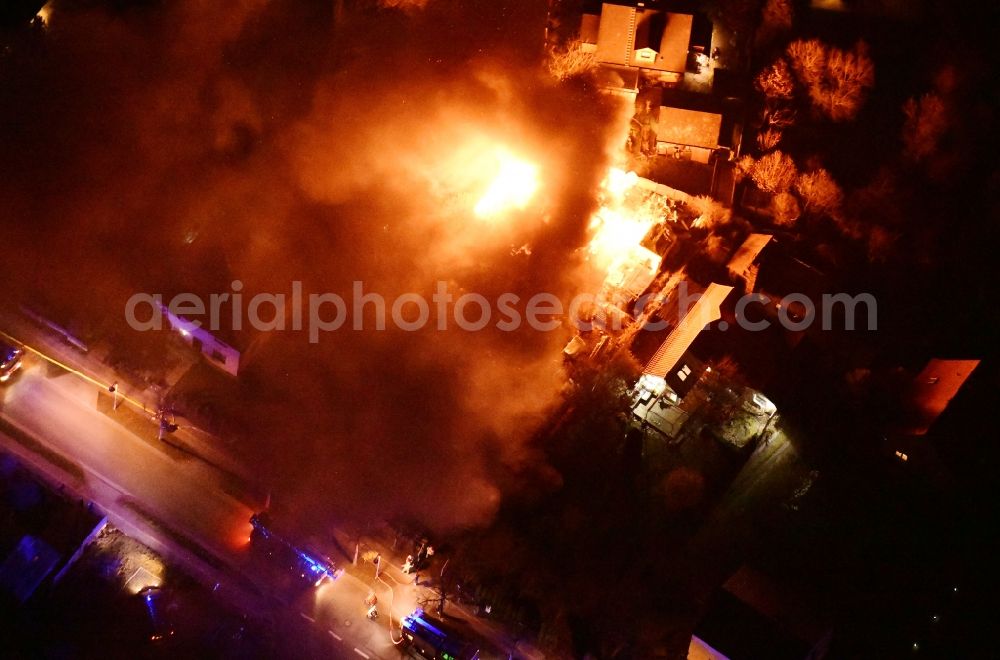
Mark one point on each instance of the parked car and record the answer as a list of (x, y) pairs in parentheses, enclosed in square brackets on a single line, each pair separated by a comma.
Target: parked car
[(10, 361)]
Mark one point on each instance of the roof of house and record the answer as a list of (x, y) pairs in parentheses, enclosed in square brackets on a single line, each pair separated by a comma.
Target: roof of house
[(736, 630), (623, 30), (618, 78), (933, 389), (674, 42), (634, 272), (704, 311), (699, 649), (747, 254), (615, 34), (590, 25), (691, 127)]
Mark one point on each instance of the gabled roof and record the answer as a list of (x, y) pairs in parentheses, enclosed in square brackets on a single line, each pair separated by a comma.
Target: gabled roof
[(691, 127), (623, 30), (706, 310), (615, 35), (674, 42), (933, 389)]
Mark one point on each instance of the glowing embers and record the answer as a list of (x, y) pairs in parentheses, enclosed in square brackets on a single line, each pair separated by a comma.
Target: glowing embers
[(515, 183)]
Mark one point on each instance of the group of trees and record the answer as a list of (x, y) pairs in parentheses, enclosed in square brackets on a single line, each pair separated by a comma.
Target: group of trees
[(832, 84), (814, 192), (833, 81), (836, 80)]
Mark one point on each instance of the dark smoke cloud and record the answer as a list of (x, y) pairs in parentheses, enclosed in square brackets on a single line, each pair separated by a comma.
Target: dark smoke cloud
[(176, 147)]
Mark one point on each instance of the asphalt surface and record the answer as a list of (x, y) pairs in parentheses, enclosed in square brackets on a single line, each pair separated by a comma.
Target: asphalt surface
[(185, 509)]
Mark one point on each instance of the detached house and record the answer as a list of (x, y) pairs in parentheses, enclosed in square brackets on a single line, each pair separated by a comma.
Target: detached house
[(630, 42)]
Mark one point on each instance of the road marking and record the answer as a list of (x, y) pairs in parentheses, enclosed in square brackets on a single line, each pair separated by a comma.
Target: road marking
[(307, 617), (335, 636), (361, 653)]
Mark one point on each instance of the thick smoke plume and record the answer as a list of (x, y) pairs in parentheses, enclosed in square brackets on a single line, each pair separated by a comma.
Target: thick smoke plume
[(179, 146)]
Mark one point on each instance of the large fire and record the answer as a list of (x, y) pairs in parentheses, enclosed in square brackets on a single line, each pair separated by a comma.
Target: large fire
[(513, 186), (616, 228)]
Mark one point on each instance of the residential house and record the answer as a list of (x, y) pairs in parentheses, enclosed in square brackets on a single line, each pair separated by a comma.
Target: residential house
[(922, 402), (672, 371), (637, 41), (221, 349), (689, 134)]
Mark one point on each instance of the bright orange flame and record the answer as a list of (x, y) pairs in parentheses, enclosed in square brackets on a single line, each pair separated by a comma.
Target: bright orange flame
[(619, 225), (513, 187), (44, 14), (615, 234), (618, 182)]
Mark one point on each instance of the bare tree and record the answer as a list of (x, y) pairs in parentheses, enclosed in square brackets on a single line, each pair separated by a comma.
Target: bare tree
[(808, 60), (777, 116), (785, 208), (819, 192), (774, 172), (744, 167), (768, 139), (836, 80), (710, 212), (570, 61), (926, 122), (776, 81), (849, 76)]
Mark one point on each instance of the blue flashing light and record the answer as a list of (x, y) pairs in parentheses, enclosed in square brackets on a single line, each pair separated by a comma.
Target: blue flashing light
[(417, 620)]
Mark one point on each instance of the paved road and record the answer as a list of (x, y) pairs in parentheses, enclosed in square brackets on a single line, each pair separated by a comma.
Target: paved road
[(182, 508)]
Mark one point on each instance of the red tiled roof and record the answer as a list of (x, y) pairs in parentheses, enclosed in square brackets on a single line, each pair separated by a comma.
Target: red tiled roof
[(704, 311), (690, 127)]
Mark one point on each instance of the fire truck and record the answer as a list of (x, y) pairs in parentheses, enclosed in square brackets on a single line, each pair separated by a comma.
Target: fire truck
[(306, 564), (430, 639)]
